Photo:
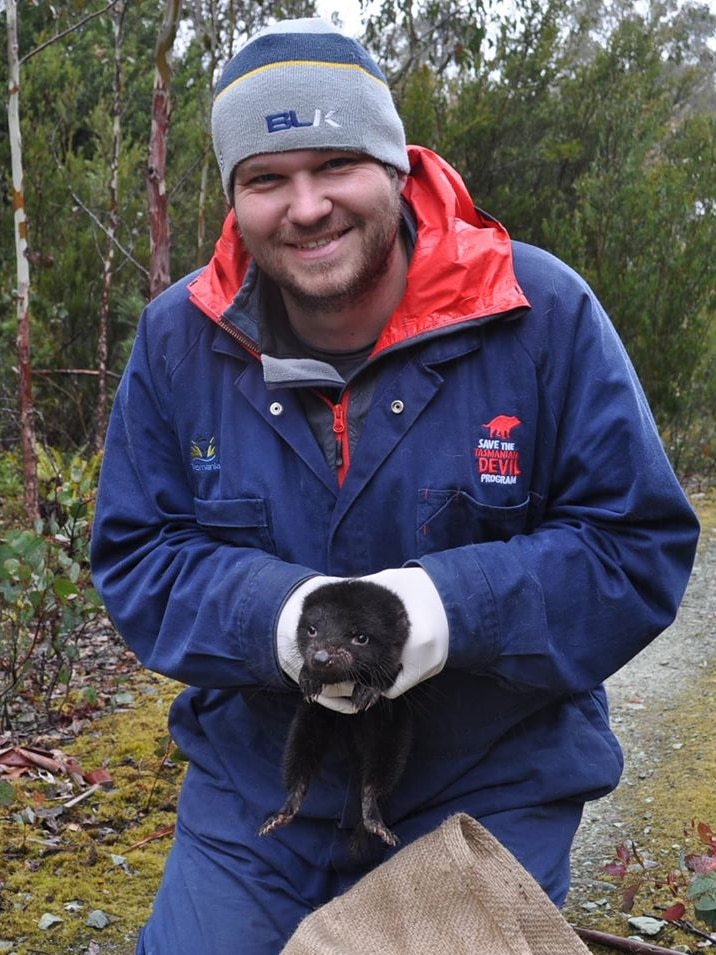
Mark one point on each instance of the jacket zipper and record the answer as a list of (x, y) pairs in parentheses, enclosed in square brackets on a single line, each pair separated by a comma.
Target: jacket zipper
[(239, 337), (340, 430)]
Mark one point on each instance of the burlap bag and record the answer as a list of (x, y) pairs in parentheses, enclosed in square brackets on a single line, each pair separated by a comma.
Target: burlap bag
[(455, 891)]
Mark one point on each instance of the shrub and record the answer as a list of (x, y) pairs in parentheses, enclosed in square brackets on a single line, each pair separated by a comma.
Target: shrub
[(47, 601)]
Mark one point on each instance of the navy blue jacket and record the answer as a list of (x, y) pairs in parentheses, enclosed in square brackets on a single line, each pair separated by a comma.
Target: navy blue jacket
[(508, 450)]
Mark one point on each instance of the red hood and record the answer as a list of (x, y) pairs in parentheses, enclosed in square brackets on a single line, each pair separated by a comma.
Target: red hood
[(461, 267)]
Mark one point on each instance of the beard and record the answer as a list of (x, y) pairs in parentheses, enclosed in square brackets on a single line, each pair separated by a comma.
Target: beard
[(321, 287)]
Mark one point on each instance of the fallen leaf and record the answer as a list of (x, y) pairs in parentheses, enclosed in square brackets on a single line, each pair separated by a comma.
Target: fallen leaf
[(98, 777), (674, 912), (700, 864), (23, 758)]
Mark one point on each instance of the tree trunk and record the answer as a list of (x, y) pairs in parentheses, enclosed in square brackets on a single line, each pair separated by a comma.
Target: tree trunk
[(206, 27), (108, 264), (159, 233), (27, 407)]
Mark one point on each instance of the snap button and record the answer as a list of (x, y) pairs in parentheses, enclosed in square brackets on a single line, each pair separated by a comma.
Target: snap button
[(397, 407), (276, 408)]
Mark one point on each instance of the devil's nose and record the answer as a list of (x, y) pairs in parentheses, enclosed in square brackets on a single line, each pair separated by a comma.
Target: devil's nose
[(322, 657)]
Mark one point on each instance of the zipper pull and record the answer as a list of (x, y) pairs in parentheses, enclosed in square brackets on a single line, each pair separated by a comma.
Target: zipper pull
[(339, 427)]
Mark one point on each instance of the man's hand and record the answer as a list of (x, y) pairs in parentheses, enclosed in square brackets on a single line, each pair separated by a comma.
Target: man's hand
[(426, 649)]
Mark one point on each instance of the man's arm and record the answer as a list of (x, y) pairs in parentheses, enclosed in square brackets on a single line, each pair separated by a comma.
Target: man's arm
[(195, 608), (603, 573)]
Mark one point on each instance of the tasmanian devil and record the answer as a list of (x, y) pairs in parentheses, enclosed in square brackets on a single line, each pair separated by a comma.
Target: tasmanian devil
[(349, 631)]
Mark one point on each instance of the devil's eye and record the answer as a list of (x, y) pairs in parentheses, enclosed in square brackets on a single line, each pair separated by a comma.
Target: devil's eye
[(361, 639)]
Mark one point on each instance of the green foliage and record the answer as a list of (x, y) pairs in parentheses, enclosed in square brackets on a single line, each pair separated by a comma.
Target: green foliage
[(46, 599), (421, 107), (702, 893), (586, 126), (10, 489), (639, 225), (7, 794)]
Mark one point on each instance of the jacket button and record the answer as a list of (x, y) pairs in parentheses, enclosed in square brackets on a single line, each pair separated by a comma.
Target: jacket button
[(397, 407), (276, 408)]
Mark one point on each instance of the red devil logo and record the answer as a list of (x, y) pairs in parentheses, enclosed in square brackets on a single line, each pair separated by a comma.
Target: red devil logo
[(502, 426)]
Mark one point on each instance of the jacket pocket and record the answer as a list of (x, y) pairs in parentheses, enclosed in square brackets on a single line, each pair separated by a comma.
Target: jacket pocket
[(452, 518), (243, 521)]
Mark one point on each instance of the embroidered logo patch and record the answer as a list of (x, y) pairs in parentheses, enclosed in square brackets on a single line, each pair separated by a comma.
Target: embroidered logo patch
[(204, 456), (497, 455), (280, 122)]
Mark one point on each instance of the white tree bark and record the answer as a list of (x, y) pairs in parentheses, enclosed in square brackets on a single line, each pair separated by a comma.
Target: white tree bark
[(26, 403)]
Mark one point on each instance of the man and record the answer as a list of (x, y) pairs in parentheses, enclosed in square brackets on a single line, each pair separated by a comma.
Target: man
[(370, 380)]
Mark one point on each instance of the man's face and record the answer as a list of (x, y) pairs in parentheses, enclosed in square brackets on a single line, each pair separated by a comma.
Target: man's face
[(321, 223)]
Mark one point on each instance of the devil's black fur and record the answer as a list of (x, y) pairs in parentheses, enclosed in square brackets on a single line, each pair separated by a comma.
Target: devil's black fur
[(349, 631)]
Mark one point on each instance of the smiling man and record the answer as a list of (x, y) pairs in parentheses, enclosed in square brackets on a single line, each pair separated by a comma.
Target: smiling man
[(323, 225), (370, 380)]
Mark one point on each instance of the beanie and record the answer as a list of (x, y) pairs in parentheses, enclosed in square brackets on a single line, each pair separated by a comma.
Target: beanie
[(302, 84)]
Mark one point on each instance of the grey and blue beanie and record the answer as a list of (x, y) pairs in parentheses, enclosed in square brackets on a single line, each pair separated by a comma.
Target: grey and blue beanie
[(302, 84)]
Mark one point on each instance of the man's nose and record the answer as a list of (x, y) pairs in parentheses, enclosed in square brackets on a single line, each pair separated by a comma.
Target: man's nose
[(308, 202)]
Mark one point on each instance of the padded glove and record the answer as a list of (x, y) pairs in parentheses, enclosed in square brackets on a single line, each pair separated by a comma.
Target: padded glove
[(334, 696), (426, 649)]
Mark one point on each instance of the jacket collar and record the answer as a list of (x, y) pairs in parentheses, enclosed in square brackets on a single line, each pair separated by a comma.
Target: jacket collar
[(461, 268)]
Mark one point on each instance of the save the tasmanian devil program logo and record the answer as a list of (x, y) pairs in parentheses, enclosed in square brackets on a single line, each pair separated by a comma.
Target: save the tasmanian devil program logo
[(496, 454)]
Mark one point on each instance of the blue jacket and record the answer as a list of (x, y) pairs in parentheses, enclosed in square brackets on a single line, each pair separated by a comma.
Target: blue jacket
[(508, 450)]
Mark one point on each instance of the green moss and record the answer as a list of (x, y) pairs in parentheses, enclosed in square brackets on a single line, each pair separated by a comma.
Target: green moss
[(90, 858)]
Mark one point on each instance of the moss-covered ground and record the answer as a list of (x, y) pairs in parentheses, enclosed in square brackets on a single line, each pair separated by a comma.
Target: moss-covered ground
[(104, 854)]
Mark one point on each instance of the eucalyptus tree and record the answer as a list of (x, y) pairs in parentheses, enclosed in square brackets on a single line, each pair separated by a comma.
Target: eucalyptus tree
[(639, 215)]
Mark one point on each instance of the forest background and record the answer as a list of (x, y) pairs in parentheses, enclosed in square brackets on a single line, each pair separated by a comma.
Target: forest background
[(588, 127)]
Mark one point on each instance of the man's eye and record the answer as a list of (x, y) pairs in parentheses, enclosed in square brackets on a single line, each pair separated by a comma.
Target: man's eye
[(339, 163), (264, 179)]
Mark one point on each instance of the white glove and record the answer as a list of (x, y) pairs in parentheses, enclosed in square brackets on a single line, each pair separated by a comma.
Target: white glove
[(426, 650), (334, 696)]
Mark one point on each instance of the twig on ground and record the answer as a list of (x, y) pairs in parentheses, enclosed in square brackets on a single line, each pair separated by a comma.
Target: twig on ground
[(689, 927), (159, 834), (622, 944)]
